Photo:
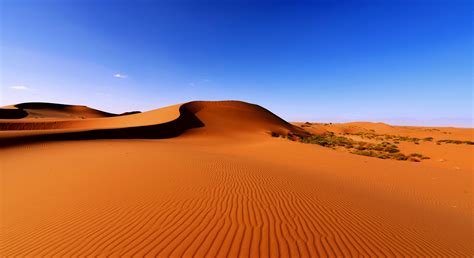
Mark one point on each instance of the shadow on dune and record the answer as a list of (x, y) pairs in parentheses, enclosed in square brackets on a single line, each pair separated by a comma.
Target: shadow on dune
[(186, 120), (12, 113), (41, 105)]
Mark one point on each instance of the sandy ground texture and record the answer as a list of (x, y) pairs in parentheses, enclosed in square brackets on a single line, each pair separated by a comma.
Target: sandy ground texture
[(207, 179)]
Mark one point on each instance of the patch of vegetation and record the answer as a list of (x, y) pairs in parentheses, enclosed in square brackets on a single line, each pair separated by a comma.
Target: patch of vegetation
[(328, 140), (407, 139), (418, 156), (383, 150), (380, 155), (387, 137), (273, 134), (414, 157), (384, 147), (455, 142)]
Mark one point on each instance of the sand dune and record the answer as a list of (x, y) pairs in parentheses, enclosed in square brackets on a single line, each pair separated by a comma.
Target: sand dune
[(51, 110), (206, 179), (222, 117)]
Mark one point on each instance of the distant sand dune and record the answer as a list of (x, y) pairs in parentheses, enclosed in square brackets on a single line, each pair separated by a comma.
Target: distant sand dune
[(217, 185), (54, 111)]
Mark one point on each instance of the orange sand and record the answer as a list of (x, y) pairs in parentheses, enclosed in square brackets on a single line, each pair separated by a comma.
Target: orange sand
[(206, 179)]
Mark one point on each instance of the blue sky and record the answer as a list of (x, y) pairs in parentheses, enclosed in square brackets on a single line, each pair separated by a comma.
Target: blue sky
[(395, 61)]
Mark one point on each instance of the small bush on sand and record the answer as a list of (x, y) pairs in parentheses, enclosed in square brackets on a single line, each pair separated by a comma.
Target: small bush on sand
[(455, 142)]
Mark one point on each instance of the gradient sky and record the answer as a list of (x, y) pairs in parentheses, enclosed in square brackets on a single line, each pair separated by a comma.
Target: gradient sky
[(401, 62)]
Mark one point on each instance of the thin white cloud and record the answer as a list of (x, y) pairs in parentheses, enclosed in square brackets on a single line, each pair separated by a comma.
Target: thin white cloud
[(19, 87), (200, 82), (120, 75)]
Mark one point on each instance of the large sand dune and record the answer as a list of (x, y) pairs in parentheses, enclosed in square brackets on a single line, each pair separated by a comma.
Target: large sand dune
[(217, 118), (206, 179)]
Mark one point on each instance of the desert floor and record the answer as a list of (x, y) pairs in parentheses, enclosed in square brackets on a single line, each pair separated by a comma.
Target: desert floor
[(206, 179)]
